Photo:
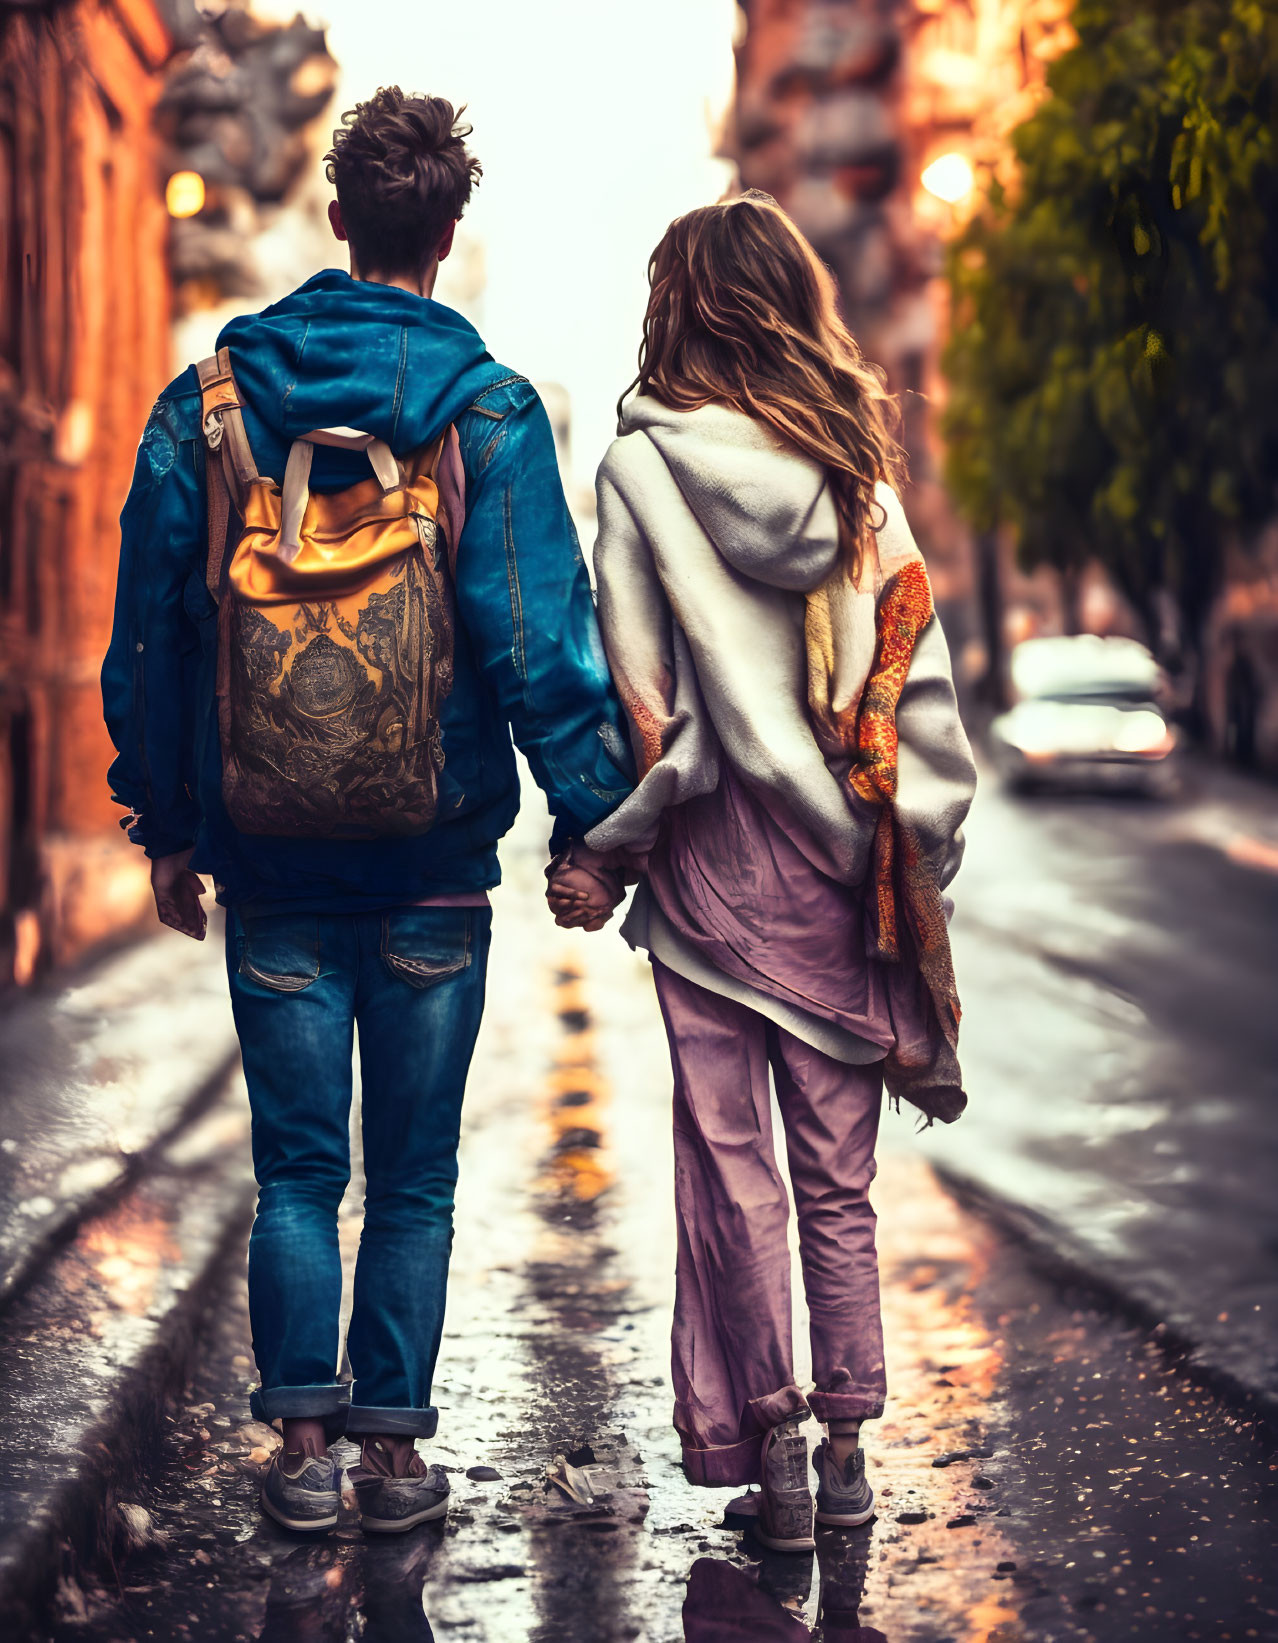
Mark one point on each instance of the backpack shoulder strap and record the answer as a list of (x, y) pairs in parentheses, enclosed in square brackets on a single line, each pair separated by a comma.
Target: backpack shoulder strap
[(450, 477), (224, 420), (230, 470)]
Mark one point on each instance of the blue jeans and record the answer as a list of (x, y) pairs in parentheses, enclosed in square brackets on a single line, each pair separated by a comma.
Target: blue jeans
[(412, 980)]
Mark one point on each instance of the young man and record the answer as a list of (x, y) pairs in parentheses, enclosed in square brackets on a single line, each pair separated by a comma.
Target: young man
[(387, 935)]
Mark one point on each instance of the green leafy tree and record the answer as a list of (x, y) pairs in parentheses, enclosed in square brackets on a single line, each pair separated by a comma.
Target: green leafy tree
[(1114, 355)]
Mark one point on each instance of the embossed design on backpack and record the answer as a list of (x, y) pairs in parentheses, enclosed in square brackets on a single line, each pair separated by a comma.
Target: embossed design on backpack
[(335, 632)]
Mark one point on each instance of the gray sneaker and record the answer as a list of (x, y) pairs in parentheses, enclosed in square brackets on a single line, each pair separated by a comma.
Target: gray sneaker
[(305, 1499), (844, 1499), (389, 1506), (784, 1522)]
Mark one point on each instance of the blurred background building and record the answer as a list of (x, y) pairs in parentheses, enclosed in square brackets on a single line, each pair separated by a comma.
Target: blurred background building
[(146, 152), (878, 124), (84, 345), (869, 122)]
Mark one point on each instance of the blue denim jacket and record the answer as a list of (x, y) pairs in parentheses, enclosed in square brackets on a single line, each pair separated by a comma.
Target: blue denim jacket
[(342, 352)]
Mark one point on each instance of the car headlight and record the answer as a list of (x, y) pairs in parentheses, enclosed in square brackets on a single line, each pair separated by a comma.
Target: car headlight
[(1141, 731)]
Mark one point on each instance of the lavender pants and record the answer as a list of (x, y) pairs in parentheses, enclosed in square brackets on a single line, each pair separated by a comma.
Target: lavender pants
[(732, 1357)]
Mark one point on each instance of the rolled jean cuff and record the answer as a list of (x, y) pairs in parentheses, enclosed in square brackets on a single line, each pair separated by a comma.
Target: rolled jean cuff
[(739, 1463), (786, 1404), (846, 1406), (273, 1403), (364, 1420), (728, 1463)]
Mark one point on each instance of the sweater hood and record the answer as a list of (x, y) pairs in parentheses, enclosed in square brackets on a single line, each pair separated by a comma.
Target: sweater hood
[(766, 508), (340, 352)]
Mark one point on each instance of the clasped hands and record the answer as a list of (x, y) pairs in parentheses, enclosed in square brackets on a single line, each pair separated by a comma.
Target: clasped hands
[(585, 887)]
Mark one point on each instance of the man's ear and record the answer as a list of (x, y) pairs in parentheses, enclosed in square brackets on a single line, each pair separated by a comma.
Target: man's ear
[(446, 244), (335, 219)]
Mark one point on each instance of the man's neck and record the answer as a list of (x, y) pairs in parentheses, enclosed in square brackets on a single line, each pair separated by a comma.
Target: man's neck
[(422, 286)]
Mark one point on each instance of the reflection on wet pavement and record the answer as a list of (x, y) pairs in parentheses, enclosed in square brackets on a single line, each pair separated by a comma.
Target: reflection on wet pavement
[(85, 1094), (726, 1604), (583, 1545), (126, 1252), (310, 1596)]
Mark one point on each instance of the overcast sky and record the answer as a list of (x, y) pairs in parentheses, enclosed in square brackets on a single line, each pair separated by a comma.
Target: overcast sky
[(595, 122)]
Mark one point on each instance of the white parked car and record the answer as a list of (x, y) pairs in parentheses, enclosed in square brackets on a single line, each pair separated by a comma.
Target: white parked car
[(1085, 714)]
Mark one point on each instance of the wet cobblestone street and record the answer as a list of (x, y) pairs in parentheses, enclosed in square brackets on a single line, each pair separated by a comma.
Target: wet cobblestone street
[(1043, 1471)]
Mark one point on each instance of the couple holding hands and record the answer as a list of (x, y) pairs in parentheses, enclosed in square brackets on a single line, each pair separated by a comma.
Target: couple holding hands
[(755, 725)]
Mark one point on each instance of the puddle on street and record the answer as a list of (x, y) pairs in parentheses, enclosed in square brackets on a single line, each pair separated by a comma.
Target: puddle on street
[(1043, 1475)]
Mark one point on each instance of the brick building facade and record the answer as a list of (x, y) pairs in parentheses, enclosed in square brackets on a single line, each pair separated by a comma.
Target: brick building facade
[(84, 347), (102, 102)]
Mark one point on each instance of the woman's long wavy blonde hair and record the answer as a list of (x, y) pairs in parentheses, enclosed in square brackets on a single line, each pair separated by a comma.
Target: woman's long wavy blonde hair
[(742, 312)]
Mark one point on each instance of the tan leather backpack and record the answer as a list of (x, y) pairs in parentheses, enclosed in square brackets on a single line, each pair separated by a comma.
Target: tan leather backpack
[(335, 631)]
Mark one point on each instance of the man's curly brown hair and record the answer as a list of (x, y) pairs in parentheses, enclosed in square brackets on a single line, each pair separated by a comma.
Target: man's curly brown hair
[(403, 174)]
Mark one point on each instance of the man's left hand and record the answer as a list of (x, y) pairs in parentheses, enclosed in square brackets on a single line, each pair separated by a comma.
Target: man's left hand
[(177, 892)]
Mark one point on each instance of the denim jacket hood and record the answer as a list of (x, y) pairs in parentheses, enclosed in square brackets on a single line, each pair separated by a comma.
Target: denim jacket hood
[(340, 352), (529, 662)]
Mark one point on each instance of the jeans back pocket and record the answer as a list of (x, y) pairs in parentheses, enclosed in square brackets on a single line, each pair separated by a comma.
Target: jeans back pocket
[(426, 945), (280, 951)]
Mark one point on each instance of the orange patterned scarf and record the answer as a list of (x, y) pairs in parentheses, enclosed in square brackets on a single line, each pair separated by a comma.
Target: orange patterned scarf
[(910, 916), (903, 885)]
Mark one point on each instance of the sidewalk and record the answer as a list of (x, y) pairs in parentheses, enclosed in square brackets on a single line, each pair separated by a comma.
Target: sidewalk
[(97, 1075), (124, 1185), (1117, 966)]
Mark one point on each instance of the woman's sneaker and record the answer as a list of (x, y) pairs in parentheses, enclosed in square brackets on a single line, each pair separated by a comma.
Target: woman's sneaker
[(306, 1498), (784, 1521), (844, 1497), (389, 1506)]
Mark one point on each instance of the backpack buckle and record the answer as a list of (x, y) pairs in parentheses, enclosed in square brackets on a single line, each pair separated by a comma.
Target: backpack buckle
[(213, 429)]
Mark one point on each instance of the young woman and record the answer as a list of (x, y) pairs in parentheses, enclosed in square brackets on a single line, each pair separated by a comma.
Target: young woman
[(769, 625)]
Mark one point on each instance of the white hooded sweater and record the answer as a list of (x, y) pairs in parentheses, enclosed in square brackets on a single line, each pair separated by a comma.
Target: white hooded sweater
[(711, 533)]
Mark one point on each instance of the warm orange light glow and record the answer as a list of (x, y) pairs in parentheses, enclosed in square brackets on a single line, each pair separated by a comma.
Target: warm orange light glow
[(26, 945), (949, 178), (578, 1166), (184, 194)]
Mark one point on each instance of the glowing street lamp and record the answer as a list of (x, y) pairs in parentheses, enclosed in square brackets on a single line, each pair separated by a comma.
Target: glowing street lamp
[(949, 178), (184, 194)]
